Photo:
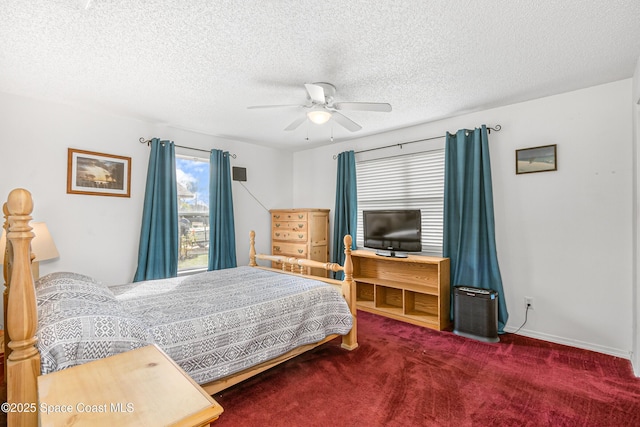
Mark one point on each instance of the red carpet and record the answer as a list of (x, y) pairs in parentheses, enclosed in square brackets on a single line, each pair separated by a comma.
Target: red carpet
[(403, 375)]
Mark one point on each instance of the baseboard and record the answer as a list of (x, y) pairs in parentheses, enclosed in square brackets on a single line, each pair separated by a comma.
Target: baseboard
[(574, 343)]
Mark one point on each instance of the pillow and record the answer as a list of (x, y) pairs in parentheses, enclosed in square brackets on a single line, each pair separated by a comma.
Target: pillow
[(71, 286), (80, 321), (61, 275)]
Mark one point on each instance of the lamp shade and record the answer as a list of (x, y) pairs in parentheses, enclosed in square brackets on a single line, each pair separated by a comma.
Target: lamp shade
[(42, 245), (319, 116)]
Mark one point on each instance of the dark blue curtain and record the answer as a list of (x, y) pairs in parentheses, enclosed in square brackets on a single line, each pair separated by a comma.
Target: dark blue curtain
[(469, 228), (222, 235), (158, 250), (345, 217)]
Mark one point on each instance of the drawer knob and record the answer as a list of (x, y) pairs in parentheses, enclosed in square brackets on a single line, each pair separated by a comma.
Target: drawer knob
[(276, 216), (300, 236), (277, 224), (300, 251), (300, 216), (300, 225)]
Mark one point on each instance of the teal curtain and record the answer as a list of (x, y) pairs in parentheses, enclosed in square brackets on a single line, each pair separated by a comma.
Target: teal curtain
[(469, 228), (345, 217), (158, 249), (222, 235)]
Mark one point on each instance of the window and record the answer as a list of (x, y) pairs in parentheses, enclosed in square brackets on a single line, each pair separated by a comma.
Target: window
[(192, 176), (414, 181)]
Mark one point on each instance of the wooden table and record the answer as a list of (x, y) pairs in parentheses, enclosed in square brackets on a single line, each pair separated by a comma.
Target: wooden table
[(142, 387)]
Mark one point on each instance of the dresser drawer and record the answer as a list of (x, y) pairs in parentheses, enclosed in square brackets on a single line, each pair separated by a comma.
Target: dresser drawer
[(289, 216), (300, 233), (289, 236), (278, 266), (289, 249), (290, 225)]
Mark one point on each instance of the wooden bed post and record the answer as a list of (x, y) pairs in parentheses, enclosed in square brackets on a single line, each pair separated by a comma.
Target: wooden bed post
[(252, 249), (23, 364), (349, 341), (6, 272)]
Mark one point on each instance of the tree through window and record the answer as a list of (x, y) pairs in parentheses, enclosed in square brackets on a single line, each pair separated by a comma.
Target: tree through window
[(192, 176)]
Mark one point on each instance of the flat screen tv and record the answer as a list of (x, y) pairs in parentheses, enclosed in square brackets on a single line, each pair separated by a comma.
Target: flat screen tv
[(393, 232)]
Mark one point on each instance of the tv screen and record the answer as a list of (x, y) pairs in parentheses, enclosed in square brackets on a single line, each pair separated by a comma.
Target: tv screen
[(393, 230)]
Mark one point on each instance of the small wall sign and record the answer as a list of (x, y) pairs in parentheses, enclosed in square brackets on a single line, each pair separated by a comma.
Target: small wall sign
[(536, 159)]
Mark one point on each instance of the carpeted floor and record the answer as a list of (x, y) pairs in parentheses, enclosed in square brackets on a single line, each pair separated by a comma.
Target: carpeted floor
[(403, 375)]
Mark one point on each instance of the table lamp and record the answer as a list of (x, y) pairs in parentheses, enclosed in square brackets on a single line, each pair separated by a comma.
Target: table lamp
[(42, 247)]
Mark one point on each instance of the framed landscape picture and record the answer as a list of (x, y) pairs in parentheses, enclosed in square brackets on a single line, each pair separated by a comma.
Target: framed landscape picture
[(98, 174), (536, 159)]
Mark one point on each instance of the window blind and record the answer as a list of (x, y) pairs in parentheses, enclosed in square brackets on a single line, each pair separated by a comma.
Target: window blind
[(413, 181)]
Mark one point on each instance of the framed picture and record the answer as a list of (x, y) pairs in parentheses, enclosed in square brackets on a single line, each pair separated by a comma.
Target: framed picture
[(98, 174), (536, 159)]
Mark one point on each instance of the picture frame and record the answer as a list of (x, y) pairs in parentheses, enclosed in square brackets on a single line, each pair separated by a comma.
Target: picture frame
[(98, 174), (536, 159)]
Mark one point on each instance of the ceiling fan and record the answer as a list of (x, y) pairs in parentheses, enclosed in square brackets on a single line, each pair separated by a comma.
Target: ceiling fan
[(322, 107)]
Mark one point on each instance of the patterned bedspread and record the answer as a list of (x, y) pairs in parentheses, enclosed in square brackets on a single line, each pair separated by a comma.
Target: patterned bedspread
[(212, 324)]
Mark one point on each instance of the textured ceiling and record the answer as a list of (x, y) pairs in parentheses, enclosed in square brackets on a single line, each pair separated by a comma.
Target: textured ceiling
[(198, 64)]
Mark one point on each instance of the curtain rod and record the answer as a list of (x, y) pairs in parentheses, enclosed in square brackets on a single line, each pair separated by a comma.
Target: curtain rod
[(148, 141), (400, 144)]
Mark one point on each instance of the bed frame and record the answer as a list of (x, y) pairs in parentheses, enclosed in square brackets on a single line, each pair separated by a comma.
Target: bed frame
[(22, 360)]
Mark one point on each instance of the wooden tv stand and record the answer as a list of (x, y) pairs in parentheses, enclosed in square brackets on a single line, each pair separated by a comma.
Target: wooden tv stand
[(413, 289)]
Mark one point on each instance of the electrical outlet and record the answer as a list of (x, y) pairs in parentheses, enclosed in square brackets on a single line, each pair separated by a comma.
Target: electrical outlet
[(528, 303)]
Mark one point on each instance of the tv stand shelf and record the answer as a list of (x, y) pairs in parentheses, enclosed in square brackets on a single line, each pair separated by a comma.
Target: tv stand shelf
[(414, 289)]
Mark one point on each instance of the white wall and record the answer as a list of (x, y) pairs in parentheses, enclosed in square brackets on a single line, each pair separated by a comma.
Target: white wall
[(564, 237), (635, 359), (98, 235)]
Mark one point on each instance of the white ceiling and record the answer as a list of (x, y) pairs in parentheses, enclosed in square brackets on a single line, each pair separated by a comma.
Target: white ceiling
[(199, 64)]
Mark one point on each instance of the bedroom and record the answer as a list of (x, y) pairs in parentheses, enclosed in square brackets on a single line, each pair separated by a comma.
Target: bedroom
[(566, 238)]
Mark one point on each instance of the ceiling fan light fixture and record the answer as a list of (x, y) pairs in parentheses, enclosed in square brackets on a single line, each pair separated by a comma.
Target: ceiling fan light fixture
[(319, 116)]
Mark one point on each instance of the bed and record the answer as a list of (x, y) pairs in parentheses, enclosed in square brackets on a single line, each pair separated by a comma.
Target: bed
[(219, 343)]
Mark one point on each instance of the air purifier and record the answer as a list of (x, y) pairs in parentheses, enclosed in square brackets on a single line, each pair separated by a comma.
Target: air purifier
[(475, 313)]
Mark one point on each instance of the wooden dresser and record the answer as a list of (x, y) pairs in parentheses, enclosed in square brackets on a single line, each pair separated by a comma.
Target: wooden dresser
[(301, 233)]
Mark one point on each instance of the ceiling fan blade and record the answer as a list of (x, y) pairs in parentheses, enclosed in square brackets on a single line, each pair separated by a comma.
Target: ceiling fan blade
[(345, 122), (297, 122), (363, 106), (273, 106), (316, 93)]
